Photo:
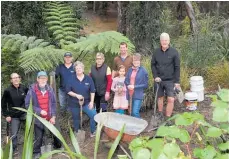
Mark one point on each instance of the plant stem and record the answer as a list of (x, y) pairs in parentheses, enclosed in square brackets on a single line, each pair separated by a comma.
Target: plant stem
[(187, 147), (123, 149)]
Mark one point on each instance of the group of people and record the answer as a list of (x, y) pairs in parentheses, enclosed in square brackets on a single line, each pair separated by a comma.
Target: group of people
[(127, 80)]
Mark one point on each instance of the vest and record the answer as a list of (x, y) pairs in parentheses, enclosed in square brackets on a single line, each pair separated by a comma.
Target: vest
[(100, 79), (43, 101)]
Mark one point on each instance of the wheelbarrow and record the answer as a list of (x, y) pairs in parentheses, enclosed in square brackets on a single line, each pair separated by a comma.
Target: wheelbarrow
[(113, 123)]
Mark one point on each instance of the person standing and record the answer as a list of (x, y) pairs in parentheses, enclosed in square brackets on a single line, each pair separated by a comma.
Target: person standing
[(44, 105), (14, 96), (120, 103), (101, 75), (81, 87), (122, 59), (165, 65), (136, 82), (64, 71)]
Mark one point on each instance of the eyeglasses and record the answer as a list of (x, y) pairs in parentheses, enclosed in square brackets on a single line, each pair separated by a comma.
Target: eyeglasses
[(99, 58), (15, 77)]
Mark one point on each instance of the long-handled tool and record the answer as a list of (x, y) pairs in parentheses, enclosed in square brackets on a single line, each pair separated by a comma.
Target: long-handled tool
[(7, 132), (131, 92), (155, 120), (81, 134)]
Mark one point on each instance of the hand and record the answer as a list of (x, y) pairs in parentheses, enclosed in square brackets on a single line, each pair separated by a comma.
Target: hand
[(79, 96), (157, 79), (177, 85), (107, 96), (43, 113), (53, 120), (130, 87), (8, 119), (91, 105)]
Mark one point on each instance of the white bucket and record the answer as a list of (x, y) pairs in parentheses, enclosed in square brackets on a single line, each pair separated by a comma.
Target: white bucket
[(191, 100), (197, 85)]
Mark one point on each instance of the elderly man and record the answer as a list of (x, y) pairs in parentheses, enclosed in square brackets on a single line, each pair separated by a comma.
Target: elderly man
[(44, 105), (101, 75), (64, 71), (122, 59), (165, 67), (14, 96)]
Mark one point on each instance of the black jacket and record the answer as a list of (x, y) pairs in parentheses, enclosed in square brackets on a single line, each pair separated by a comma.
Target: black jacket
[(13, 97), (166, 65)]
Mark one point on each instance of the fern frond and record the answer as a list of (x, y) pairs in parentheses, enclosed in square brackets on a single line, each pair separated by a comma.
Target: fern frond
[(53, 23), (54, 18), (56, 27)]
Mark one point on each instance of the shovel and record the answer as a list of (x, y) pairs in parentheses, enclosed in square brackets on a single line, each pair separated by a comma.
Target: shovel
[(47, 147), (7, 132), (80, 135), (155, 120), (131, 92)]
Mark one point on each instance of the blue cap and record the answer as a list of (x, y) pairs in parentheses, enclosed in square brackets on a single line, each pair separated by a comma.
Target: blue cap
[(42, 73), (67, 54)]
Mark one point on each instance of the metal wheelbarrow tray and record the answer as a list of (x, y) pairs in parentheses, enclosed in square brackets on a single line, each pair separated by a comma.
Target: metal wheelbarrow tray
[(113, 123)]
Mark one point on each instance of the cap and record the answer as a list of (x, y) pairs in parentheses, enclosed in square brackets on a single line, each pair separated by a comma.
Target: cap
[(42, 73), (67, 54)]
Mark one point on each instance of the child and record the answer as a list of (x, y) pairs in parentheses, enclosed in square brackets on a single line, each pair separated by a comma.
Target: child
[(120, 102)]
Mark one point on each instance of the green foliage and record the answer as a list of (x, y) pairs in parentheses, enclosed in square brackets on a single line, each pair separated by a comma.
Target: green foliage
[(7, 153), (208, 152), (188, 118), (58, 16)]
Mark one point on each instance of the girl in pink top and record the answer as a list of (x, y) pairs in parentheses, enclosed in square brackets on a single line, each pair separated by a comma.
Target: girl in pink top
[(120, 103)]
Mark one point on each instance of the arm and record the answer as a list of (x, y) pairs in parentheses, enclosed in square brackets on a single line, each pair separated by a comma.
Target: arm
[(5, 111), (109, 80), (145, 81), (127, 79), (177, 68), (54, 105), (113, 85), (36, 109), (153, 67)]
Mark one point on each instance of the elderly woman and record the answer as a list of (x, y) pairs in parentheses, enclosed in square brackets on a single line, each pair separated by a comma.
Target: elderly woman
[(136, 81), (80, 87), (101, 75)]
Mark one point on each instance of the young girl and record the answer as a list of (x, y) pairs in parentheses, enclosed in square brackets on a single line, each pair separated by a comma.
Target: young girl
[(120, 102)]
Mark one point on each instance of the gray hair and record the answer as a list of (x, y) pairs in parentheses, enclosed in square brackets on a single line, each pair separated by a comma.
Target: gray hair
[(14, 74), (137, 56), (78, 63), (164, 36), (100, 54)]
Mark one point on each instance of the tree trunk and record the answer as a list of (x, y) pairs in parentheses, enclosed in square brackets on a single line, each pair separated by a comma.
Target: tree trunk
[(122, 24), (191, 15)]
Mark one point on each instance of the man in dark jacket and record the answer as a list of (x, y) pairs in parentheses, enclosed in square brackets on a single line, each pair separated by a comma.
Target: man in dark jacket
[(44, 105), (14, 96), (165, 66)]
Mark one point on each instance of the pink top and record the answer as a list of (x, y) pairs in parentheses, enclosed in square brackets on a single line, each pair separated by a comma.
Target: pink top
[(118, 86)]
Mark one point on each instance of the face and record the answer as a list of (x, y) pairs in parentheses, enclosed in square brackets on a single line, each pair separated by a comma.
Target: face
[(164, 42), (67, 59), (136, 62), (99, 60), (122, 72), (123, 49), (79, 70), (42, 81), (15, 79)]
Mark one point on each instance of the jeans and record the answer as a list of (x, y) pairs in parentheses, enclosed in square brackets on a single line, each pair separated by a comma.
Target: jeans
[(120, 111), (76, 116), (63, 99), (15, 124), (136, 105)]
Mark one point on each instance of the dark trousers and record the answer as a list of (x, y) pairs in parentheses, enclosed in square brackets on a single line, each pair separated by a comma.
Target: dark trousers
[(100, 103), (39, 133), (15, 124)]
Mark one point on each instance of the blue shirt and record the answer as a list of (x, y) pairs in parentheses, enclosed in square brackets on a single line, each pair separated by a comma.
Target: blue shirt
[(84, 88), (65, 74)]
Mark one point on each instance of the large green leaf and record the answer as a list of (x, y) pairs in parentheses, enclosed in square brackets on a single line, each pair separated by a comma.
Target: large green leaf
[(214, 132), (97, 139), (140, 153), (156, 145), (74, 141), (8, 151), (219, 103), (188, 118), (224, 146), (184, 136), (225, 127), (116, 142), (171, 150), (224, 95), (138, 142), (221, 114), (48, 154), (208, 153)]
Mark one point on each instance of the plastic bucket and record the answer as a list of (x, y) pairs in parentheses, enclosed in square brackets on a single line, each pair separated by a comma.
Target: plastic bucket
[(191, 100), (197, 85)]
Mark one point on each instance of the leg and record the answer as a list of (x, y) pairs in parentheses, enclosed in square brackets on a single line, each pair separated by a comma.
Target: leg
[(39, 133), (76, 117), (56, 142), (169, 89), (159, 92), (120, 111), (97, 102), (62, 99), (136, 105), (103, 103), (15, 123), (91, 113)]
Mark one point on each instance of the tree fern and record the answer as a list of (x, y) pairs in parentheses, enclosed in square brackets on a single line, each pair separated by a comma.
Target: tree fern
[(59, 18), (107, 42)]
